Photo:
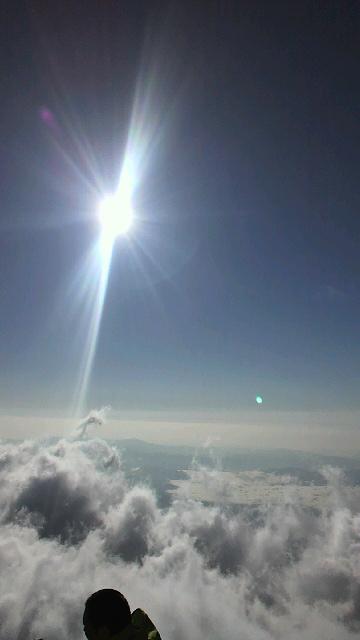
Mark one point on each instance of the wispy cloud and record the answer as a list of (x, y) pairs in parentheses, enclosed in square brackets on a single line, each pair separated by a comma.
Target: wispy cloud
[(331, 293)]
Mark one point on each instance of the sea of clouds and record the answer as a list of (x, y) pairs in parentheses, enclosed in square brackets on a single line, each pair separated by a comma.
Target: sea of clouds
[(71, 524)]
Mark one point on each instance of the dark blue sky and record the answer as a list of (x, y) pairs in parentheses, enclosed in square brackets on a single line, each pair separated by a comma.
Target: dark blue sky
[(242, 273)]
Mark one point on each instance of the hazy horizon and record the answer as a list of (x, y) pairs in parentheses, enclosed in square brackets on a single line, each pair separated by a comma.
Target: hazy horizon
[(307, 431)]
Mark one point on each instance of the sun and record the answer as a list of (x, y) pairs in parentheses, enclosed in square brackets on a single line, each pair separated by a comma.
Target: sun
[(116, 215)]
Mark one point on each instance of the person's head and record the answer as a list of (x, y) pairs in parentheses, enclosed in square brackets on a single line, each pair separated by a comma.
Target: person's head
[(106, 613)]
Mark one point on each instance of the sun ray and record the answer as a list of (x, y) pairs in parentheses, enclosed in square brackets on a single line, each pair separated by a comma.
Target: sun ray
[(98, 298), (115, 217)]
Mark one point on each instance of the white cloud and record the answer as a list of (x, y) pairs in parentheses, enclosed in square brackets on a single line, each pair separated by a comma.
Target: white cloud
[(70, 525)]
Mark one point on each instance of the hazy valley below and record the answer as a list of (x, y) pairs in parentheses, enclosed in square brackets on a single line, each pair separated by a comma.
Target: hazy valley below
[(238, 477)]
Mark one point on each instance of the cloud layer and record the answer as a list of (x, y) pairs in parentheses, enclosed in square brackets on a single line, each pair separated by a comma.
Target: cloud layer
[(70, 524)]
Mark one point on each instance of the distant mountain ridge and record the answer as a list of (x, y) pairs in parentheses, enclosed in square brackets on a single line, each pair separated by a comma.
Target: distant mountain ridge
[(283, 457)]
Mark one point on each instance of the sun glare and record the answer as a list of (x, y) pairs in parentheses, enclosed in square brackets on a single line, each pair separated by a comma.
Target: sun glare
[(115, 215)]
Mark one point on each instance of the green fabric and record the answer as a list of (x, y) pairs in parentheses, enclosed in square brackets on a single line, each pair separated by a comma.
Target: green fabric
[(140, 620), (141, 628)]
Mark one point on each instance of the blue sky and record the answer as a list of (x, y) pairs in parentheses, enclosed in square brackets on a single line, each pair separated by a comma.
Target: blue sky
[(241, 274)]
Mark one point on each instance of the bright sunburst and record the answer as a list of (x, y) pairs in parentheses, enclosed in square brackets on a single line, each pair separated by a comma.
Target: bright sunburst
[(116, 214)]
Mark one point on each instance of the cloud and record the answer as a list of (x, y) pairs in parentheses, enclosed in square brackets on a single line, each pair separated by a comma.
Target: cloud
[(70, 524), (94, 419), (331, 293)]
